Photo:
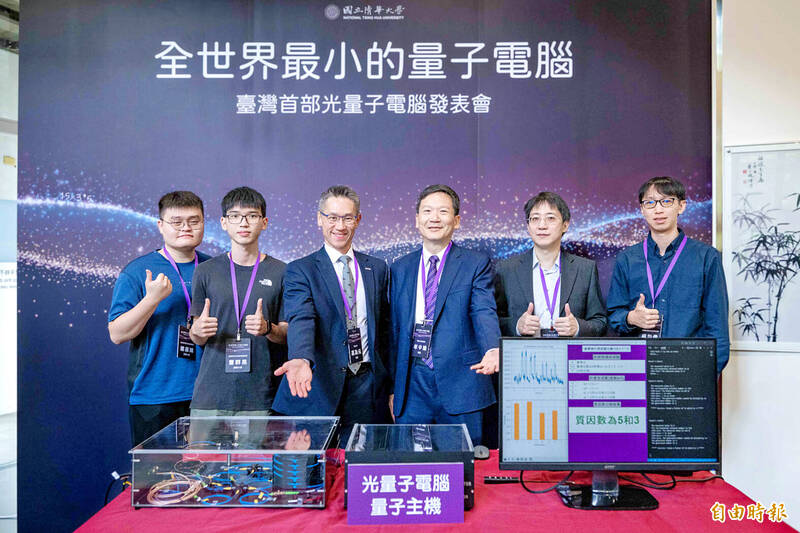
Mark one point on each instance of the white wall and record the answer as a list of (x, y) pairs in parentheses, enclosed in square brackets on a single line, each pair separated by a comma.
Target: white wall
[(760, 105), (9, 83)]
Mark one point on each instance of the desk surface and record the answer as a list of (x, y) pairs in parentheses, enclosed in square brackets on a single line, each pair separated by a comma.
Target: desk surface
[(497, 507)]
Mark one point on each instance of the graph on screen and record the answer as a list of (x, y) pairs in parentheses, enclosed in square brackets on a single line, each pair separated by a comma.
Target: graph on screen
[(535, 401)]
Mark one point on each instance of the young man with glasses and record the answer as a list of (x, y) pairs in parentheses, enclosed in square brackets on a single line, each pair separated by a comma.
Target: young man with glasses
[(150, 308), (237, 310), (546, 291), (669, 285), (337, 308)]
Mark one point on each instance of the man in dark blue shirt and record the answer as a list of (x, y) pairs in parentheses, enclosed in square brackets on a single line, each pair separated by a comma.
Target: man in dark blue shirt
[(669, 285), (149, 308)]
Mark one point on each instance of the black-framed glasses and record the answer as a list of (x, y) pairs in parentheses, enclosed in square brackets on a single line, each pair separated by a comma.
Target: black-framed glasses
[(177, 223), (236, 218), (665, 202), (349, 220)]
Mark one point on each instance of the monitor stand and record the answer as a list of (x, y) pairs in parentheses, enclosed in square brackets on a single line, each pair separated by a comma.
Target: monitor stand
[(605, 493)]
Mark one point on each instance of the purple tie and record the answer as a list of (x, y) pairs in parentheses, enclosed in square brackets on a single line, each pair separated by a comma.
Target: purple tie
[(431, 288)]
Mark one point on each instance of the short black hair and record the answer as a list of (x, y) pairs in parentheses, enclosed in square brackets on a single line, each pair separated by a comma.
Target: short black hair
[(665, 185), (179, 199), (244, 197), (433, 189), (550, 198)]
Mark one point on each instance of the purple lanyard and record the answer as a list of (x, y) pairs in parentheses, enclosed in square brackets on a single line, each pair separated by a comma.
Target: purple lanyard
[(441, 265), (550, 306), (666, 274), (183, 283), (240, 315), (355, 290)]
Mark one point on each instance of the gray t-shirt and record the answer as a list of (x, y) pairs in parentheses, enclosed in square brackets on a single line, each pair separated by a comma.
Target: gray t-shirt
[(247, 391)]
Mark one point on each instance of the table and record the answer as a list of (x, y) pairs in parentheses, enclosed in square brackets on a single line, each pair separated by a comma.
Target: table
[(497, 508)]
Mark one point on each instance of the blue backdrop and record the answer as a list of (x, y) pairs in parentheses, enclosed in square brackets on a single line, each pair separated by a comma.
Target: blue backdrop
[(122, 103)]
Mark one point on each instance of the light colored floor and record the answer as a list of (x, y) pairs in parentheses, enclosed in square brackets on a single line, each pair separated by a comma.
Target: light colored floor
[(8, 472)]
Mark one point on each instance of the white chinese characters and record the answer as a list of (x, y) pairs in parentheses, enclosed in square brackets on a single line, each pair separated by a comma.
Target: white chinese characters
[(356, 104), (427, 60)]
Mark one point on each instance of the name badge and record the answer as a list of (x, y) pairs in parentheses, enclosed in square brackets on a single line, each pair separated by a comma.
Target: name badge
[(237, 355), (186, 348), (654, 333), (355, 352), (548, 333), (421, 342)]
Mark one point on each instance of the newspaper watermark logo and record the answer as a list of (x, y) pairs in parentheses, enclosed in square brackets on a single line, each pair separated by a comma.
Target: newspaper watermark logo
[(776, 512)]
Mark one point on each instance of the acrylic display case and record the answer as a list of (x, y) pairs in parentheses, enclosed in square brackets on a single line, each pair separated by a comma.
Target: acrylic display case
[(233, 462), (414, 443)]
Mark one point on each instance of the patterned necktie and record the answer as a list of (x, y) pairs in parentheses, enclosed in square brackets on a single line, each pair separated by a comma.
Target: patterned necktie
[(348, 285), (431, 289)]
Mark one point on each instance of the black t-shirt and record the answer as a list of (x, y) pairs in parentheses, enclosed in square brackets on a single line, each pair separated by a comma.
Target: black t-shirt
[(249, 391)]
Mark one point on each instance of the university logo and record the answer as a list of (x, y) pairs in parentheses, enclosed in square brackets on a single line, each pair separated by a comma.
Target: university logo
[(332, 12)]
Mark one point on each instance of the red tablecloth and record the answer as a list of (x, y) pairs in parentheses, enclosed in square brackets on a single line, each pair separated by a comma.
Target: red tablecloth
[(497, 508)]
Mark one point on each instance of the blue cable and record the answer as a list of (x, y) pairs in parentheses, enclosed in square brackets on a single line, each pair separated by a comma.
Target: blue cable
[(222, 502)]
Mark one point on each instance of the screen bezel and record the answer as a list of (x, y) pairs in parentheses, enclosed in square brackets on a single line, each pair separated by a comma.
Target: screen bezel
[(610, 466)]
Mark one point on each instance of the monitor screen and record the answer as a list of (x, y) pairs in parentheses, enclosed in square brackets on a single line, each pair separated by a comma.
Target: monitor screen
[(608, 404)]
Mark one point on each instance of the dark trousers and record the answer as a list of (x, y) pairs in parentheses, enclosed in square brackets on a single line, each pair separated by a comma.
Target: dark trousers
[(147, 420), (358, 403), (424, 404)]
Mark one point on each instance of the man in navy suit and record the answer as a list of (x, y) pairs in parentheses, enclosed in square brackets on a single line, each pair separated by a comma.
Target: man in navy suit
[(547, 291), (445, 334), (336, 304)]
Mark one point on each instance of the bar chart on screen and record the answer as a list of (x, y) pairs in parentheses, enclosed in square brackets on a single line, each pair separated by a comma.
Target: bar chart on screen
[(535, 401)]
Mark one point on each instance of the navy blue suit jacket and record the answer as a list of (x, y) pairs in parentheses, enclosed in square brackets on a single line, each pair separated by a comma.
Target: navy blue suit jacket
[(465, 327), (315, 311)]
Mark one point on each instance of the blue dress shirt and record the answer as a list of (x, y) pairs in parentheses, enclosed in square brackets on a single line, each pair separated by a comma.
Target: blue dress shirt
[(694, 301)]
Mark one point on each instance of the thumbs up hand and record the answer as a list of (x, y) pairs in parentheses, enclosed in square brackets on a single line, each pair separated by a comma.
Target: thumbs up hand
[(255, 324), (528, 323), (157, 289), (567, 325), (204, 326), (642, 317)]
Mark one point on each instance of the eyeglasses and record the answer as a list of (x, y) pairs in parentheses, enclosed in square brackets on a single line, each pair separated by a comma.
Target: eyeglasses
[(332, 220), (550, 220), (665, 202), (178, 223), (236, 218)]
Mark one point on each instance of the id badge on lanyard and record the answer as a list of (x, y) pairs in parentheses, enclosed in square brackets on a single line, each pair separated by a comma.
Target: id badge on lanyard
[(550, 333), (237, 355), (421, 341), (355, 349), (237, 351), (186, 348), (655, 332)]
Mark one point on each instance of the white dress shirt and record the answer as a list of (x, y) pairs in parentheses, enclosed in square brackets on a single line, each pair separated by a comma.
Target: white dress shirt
[(419, 311), (551, 276), (361, 298)]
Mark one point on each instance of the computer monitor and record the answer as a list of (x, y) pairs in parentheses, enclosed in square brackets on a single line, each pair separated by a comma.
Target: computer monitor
[(608, 405)]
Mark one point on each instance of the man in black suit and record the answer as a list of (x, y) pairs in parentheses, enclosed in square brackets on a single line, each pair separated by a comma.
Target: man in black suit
[(546, 291)]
